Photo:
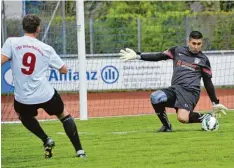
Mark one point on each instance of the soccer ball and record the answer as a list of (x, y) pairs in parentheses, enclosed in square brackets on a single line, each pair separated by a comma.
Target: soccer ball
[(210, 124)]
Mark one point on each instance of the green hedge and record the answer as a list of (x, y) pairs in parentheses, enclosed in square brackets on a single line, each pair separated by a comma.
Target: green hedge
[(159, 30), (165, 30)]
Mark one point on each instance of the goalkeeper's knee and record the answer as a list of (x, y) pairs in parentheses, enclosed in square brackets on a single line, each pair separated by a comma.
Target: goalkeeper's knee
[(158, 97)]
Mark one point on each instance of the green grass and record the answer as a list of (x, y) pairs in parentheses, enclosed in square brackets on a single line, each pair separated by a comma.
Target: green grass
[(123, 142)]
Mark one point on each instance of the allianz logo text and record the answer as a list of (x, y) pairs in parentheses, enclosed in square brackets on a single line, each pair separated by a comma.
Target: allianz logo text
[(70, 75)]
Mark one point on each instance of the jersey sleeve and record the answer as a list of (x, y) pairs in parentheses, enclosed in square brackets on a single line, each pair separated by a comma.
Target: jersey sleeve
[(206, 70), (55, 60), (170, 52), (210, 90), (6, 49)]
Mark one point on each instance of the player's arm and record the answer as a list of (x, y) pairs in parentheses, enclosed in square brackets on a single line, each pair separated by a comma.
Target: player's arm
[(63, 69), (168, 54), (4, 59), (56, 62), (218, 108), (210, 90), (129, 54), (206, 76), (6, 51)]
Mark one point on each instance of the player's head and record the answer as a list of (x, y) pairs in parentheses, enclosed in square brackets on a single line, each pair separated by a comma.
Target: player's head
[(31, 24), (195, 41)]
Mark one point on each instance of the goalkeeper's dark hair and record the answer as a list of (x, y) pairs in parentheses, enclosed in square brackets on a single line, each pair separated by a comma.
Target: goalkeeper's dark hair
[(195, 35), (30, 23)]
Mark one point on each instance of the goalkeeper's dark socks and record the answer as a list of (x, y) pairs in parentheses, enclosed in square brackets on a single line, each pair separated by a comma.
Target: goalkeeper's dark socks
[(195, 117), (33, 125), (163, 118), (161, 113), (71, 131)]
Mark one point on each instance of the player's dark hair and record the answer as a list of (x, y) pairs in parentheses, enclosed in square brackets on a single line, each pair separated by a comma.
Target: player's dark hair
[(30, 23), (195, 35)]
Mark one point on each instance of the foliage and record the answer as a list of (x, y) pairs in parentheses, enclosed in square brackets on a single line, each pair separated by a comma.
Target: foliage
[(224, 33), (160, 28), (163, 31), (13, 28), (156, 26)]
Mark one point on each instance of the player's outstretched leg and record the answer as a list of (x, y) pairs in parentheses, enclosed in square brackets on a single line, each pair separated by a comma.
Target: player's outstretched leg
[(157, 100), (48, 147), (71, 131), (33, 126)]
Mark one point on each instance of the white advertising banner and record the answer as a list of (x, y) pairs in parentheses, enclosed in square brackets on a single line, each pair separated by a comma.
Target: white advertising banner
[(113, 74)]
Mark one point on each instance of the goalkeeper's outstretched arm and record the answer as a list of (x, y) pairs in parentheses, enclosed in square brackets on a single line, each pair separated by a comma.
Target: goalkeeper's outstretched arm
[(154, 57), (129, 54)]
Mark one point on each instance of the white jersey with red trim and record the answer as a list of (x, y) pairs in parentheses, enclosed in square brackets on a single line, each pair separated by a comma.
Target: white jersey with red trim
[(30, 61)]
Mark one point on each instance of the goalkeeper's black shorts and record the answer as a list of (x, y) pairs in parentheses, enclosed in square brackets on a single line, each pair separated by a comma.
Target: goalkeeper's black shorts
[(181, 98), (54, 106)]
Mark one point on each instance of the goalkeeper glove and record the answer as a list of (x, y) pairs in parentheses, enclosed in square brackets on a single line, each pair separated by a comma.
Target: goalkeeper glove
[(219, 109), (129, 54)]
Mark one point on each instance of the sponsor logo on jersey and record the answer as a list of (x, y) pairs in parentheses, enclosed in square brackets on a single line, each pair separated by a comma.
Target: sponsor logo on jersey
[(186, 65)]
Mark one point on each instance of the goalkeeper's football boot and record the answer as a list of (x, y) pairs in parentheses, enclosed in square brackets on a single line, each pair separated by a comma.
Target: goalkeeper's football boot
[(81, 154), (48, 147), (165, 129)]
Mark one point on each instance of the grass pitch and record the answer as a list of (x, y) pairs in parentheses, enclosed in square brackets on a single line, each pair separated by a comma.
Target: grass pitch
[(123, 142)]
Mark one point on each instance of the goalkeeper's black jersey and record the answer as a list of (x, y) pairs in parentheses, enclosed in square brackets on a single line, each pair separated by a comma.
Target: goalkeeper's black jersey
[(188, 68)]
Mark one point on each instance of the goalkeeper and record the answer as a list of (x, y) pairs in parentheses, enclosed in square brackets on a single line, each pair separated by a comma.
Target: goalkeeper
[(189, 66)]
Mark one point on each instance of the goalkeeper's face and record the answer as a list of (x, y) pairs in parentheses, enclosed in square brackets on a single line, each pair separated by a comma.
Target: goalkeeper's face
[(195, 45)]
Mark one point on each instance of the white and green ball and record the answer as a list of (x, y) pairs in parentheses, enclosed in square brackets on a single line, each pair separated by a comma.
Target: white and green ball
[(210, 124)]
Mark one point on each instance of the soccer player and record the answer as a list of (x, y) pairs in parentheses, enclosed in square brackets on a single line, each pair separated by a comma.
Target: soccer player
[(30, 60), (189, 66)]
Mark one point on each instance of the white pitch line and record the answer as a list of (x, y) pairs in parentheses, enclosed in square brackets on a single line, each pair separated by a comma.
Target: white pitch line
[(115, 133)]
